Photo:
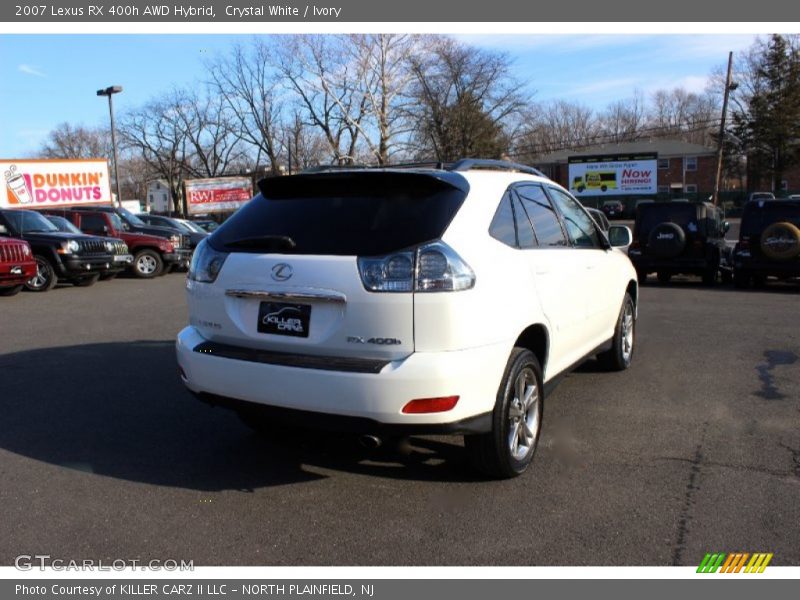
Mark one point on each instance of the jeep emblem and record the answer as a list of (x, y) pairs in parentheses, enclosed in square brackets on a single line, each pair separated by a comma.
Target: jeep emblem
[(282, 272)]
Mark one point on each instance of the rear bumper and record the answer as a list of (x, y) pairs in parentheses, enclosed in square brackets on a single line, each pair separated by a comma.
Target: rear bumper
[(180, 258), (767, 268), (649, 264), (348, 400)]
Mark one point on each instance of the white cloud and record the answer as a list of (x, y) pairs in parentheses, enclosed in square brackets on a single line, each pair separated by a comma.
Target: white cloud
[(31, 70)]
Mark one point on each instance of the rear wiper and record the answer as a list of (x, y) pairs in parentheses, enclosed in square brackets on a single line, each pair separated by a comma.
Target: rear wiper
[(264, 242)]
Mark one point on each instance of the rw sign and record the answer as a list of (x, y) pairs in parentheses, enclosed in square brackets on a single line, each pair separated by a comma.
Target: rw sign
[(613, 175), (222, 194)]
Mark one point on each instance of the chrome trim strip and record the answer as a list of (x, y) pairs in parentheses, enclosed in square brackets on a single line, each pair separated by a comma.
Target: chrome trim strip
[(290, 295)]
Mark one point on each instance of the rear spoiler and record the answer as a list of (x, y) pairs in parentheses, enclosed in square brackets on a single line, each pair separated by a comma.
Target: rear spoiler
[(320, 182)]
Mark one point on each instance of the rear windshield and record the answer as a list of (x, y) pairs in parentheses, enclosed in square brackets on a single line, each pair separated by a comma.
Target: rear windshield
[(684, 215), (345, 214), (756, 218)]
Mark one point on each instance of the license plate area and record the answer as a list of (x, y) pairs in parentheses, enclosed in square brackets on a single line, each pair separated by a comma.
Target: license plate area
[(284, 318)]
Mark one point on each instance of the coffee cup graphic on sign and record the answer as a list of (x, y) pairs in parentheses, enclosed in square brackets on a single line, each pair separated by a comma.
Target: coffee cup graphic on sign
[(18, 186)]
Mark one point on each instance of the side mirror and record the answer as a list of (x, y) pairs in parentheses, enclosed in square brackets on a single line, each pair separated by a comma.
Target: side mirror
[(3, 230), (726, 227), (105, 229), (619, 236)]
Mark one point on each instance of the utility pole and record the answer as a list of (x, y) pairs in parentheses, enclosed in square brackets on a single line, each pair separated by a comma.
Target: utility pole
[(109, 92), (728, 87)]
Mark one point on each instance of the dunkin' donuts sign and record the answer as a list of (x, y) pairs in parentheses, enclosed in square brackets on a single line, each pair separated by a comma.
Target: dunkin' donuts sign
[(47, 183)]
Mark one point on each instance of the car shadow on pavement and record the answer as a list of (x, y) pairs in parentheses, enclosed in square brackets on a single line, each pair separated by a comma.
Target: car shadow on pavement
[(120, 410)]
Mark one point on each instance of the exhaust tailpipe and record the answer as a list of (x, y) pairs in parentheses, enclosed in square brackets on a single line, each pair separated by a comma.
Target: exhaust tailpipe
[(370, 442)]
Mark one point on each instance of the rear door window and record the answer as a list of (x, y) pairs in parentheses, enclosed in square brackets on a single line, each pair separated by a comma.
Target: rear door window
[(542, 216), (364, 213), (682, 214), (580, 226), (757, 218)]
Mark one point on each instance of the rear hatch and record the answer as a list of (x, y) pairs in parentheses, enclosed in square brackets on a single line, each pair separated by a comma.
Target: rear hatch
[(291, 281)]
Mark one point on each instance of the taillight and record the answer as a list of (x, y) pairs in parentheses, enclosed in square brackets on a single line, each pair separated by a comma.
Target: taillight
[(430, 405), (433, 267)]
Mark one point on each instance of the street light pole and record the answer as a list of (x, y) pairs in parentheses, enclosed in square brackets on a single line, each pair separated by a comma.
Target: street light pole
[(110, 91), (728, 87)]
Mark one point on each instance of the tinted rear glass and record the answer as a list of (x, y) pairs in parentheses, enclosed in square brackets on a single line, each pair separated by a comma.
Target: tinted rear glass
[(344, 214), (651, 215), (756, 218)]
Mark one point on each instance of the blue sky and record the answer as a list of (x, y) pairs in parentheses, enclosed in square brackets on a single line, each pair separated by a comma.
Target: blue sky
[(49, 79)]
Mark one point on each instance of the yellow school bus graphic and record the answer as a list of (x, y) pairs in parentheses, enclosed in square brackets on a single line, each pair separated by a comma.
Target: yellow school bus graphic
[(593, 180)]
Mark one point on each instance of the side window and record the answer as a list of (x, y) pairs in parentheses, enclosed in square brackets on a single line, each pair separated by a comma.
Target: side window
[(542, 216), (502, 228), (525, 236), (92, 222), (580, 227)]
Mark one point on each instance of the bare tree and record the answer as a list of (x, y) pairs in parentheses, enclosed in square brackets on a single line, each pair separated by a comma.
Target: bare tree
[(383, 59), (157, 134), (684, 115), (250, 87), (76, 141), (557, 125), (622, 120), (211, 132), (325, 86)]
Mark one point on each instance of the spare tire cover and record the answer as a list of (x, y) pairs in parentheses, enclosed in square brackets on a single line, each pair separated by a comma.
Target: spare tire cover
[(781, 241), (666, 240)]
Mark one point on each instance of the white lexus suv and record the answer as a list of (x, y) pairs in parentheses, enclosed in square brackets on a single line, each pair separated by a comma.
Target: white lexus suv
[(396, 301)]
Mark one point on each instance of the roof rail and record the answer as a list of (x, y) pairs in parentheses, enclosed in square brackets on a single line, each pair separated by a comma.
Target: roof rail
[(465, 164), (321, 168)]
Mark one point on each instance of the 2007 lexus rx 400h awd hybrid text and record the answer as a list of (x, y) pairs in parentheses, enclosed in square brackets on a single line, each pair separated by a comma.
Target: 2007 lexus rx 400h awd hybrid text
[(407, 301)]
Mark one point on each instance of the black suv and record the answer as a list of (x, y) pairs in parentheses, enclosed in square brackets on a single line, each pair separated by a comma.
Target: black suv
[(769, 242), (680, 237), (77, 258)]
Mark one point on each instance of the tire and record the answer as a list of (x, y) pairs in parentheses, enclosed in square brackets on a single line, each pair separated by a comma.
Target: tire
[(781, 241), (108, 276), (603, 188), (620, 355), (45, 278), (11, 291), (147, 264), (726, 275), (664, 277), (498, 453), (709, 277), (741, 279), (641, 276), (87, 281), (666, 240)]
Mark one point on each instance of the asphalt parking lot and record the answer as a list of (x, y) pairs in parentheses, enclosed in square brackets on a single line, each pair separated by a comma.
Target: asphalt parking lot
[(103, 454)]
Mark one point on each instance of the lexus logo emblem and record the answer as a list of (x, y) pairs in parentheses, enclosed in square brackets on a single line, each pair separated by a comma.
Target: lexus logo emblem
[(282, 272)]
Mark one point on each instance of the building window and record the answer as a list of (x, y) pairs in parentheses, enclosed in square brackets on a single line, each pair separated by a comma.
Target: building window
[(151, 197), (785, 185), (663, 189), (690, 188), (663, 163), (158, 185), (691, 163)]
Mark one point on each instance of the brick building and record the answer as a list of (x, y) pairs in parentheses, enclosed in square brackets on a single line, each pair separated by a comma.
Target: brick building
[(683, 169)]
